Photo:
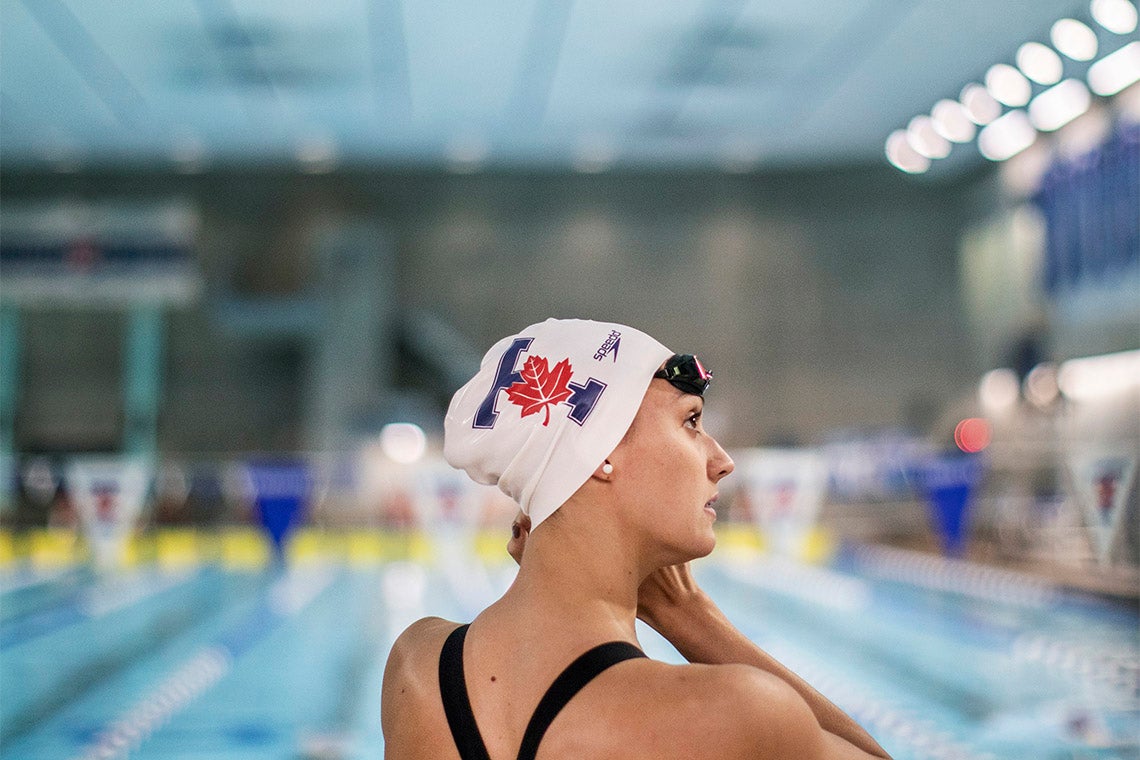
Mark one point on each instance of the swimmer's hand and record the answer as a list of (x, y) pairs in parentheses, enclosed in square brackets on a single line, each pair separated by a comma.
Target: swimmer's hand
[(666, 592)]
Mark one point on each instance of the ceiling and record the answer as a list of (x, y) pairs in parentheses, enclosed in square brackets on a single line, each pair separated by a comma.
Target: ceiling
[(589, 85)]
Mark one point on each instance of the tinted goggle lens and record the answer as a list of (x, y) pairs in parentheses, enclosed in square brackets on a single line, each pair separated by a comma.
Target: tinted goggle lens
[(686, 373)]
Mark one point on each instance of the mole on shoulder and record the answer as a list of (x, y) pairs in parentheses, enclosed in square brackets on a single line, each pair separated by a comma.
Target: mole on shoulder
[(493, 678)]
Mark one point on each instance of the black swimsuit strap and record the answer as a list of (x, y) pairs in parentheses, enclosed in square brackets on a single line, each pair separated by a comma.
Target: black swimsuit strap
[(576, 675), (457, 704)]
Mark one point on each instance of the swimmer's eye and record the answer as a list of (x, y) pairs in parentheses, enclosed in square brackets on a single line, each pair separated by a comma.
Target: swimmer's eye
[(694, 421)]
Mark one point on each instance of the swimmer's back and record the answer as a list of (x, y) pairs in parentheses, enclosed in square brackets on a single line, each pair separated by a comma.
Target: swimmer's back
[(634, 710)]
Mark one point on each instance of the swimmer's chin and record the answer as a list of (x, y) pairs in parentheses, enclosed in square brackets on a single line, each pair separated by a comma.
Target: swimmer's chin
[(706, 549)]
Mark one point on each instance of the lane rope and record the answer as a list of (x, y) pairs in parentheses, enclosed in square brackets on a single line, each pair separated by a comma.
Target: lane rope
[(286, 598)]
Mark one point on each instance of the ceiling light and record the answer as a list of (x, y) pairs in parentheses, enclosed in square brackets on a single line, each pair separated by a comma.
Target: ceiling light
[(1074, 39), (926, 141), (1039, 63), (998, 390), (1116, 71), (1041, 384), (950, 120), (903, 156), (979, 104), (1007, 136), (1117, 16), (1007, 85), (1099, 376), (1059, 105), (403, 442)]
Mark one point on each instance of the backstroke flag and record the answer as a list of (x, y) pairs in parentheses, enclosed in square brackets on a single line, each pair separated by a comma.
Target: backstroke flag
[(786, 488), (1102, 480), (281, 490), (949, 482), (108, 493)]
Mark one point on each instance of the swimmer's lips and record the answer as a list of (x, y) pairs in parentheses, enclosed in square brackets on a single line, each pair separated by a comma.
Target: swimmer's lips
[(709, 505)]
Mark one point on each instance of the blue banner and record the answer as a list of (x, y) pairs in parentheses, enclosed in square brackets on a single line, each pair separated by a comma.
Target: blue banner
[(1091, 205), (281, 493), (948, 482)]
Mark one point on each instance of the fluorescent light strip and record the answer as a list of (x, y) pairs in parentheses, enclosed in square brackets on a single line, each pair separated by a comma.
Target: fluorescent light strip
[(1007, 136), (1099, 376), (1059, 105), (1116, 71), (1117, 16)]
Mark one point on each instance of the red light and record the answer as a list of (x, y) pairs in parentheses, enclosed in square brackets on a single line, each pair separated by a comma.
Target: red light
[(972, 435)]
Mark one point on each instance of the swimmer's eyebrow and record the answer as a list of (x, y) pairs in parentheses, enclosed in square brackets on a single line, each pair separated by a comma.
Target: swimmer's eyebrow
[(695, 403)]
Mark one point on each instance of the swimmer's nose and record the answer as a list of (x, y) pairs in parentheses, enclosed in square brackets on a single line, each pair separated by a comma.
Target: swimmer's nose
[(720, 463)]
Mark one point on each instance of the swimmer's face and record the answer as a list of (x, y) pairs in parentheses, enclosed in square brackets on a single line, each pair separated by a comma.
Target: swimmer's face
[(667, 469)]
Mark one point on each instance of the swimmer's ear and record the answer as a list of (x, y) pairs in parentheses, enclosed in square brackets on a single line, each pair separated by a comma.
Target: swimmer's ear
[(520, 530)]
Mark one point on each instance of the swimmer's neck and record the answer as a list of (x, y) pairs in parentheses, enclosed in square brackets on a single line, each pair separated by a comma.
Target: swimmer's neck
[(578, 570)]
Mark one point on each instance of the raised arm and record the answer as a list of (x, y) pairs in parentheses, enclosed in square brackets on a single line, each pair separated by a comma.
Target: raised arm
[(671, 602)]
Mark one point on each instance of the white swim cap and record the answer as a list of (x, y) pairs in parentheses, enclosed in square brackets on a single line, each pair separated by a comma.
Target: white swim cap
[(547, 406)]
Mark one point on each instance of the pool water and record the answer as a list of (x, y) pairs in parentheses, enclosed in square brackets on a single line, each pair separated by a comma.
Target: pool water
[(937, 659)]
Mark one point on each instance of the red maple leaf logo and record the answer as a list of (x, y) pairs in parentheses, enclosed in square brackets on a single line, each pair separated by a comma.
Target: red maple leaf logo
[(541, 386)]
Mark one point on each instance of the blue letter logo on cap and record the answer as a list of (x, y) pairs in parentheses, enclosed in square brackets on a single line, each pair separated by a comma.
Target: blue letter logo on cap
[(505, 377), (582, 400)]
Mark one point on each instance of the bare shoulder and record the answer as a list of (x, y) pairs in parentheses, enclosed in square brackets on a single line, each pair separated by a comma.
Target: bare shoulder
[(722, 711), (420, 642), (425, 632), (769, 718), (410, 698)]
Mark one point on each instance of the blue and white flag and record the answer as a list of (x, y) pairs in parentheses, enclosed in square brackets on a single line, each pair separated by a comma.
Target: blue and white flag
[(1102, 480), (108, 493), (786, 489)]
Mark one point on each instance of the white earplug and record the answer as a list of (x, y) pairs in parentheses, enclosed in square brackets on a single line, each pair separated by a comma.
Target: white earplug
[(608, 468)]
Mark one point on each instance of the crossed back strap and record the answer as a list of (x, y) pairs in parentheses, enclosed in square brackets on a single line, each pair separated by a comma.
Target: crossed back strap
[(457, 705)]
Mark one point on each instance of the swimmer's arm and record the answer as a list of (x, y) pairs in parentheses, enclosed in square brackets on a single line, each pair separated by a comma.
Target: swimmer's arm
[(671, 603)]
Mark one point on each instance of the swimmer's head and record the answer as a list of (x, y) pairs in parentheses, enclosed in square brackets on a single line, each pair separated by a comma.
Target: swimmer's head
[(549, 404)]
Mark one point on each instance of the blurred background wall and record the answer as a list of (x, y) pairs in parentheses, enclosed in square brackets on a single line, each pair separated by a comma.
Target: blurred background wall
[(822, 300)]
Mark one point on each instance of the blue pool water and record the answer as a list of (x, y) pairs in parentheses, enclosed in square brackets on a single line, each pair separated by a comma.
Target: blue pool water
[(938, 660)]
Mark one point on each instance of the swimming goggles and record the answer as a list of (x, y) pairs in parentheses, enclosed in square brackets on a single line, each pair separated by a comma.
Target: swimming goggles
[(686, 373)]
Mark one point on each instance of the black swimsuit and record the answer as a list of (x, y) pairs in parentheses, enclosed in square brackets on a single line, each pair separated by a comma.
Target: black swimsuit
[(457, 705)]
